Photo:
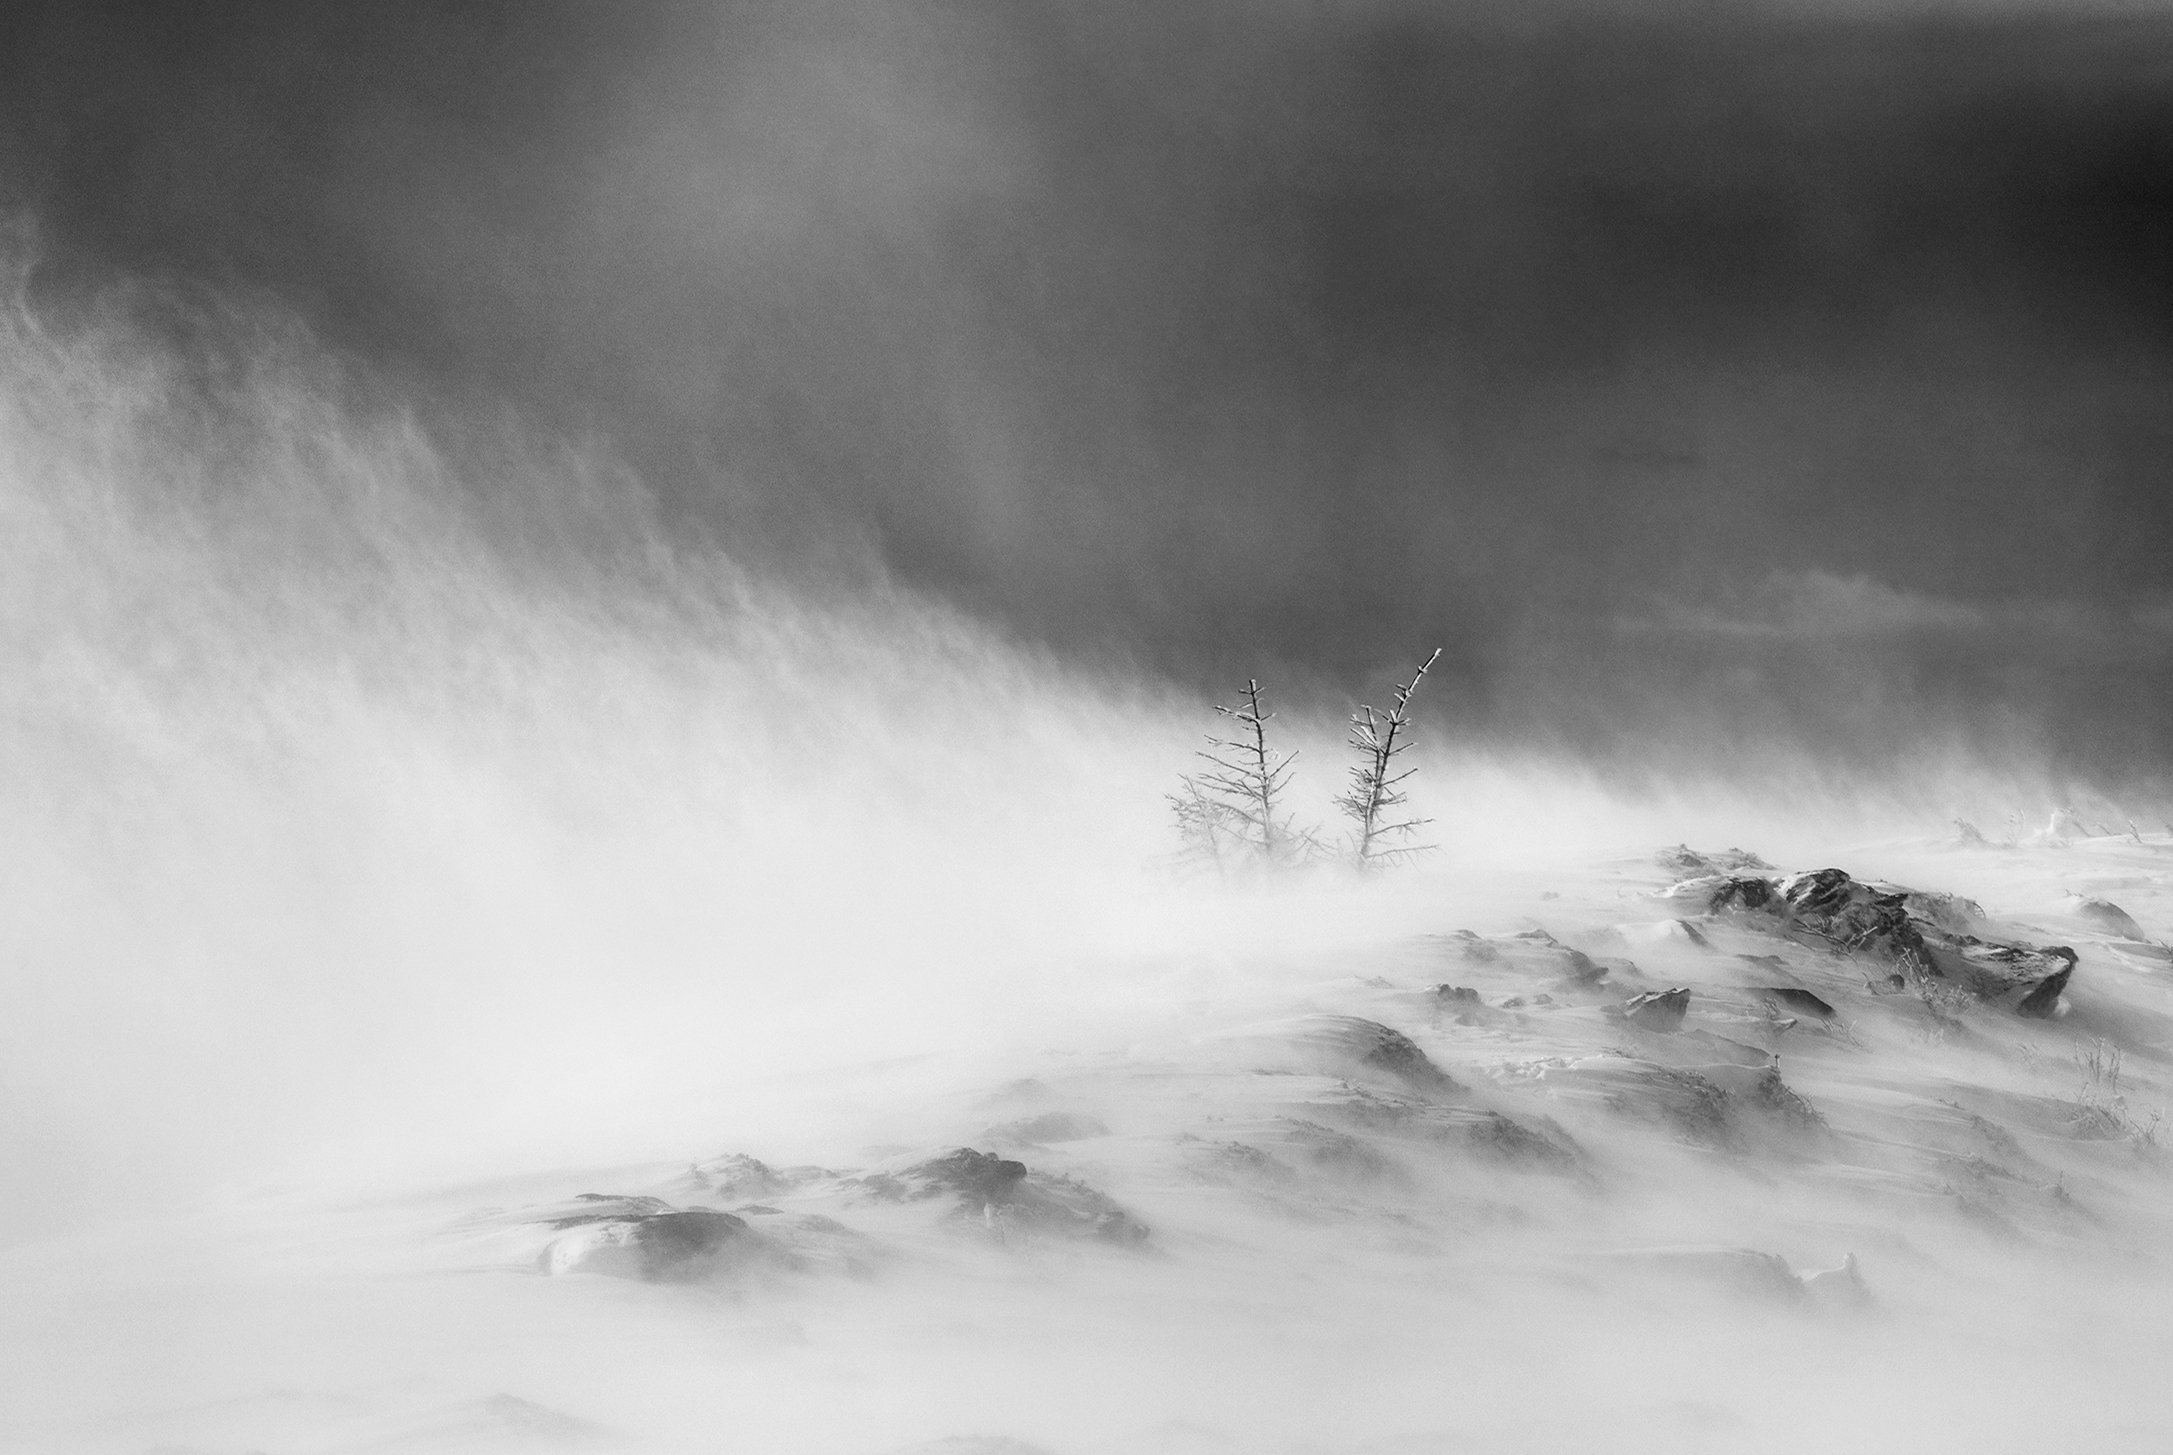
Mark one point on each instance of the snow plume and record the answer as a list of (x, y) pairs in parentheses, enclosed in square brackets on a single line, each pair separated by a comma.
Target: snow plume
[(390, 805), (387, 790), (362, 783), (400, 787)]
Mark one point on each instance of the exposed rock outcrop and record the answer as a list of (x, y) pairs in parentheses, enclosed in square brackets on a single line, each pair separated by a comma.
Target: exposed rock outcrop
[(1922, 933), (1007, 1195), (1382, 1050), (649, 1239), (1658, 1010)]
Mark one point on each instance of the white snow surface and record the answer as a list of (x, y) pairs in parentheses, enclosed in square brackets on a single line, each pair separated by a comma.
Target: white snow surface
[(1328, 1268)]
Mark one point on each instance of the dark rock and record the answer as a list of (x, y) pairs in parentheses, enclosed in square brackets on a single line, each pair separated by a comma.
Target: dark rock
[(1582, 968), (1507, 1140), (1846, 912), (672, 1246), (978, 1178), (1993, 970), (1684, 862), (1388, 1051), (2044, 1000), (739, 1178), (1740, 892), (1949, 912), (1766, 1094), (1242, 1159), (1456, 994), (1006, 1196), (1474, 949), (597, 1207), (1658, 1010), (2109, 916), (1803, 1002), (1458, 1128), (1342, 1154), (1689, 1104)]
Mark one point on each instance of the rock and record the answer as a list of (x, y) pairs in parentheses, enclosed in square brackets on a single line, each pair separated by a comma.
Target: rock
[(1573, 965), (1007, 1196), (1489, 1134), (1995, 970), (737, 1177), (977, 1179), (1686, 863), (1803, 1002), (1342, 1154), (1920, 929), (1658, 1010), (1507, 1140), (2110, 917), (1384, 1050), (1949, 912), (2043, 1001), (1464, 1002), (1740, 892), (1475, 949), (1854, 915), (671, 1246), (1761, 1091), (1688, 1104)]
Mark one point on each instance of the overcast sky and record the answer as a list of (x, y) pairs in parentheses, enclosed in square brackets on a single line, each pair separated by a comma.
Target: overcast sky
[(1698, 374)]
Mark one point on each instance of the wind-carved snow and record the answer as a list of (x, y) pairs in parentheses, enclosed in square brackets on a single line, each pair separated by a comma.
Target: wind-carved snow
[(1649, 1162)]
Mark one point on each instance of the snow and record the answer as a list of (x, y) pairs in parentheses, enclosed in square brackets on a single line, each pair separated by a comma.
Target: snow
[(383, 888), (1332, 1259)]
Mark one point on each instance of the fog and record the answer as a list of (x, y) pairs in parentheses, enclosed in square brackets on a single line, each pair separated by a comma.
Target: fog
[(396, 814), (1222, 337), (423, 801), (586, 589)]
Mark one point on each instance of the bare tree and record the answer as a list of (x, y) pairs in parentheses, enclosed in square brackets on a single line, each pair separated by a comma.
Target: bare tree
[(1375, 793), (1231, 814)]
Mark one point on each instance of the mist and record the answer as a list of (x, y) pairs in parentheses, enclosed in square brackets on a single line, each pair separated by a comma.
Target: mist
[(585, 589), (1299, 338)]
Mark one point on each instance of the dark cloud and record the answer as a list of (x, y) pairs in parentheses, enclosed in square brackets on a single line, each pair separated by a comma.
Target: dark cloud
[(1228, 334)]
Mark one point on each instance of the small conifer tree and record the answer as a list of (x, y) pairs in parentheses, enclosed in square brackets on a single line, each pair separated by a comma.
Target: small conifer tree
[(1375, 794), (1231, 815)]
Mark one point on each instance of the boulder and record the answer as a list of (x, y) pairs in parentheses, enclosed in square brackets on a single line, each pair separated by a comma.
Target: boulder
[(1383, 1050), (1006, 1195), (632, 1238), (1684, 862), (1800, 1002), (1658, 1010), (2110, 917), (2043, 1000)]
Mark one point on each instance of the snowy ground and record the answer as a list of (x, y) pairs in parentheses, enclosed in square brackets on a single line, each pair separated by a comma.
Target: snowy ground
[(1252, 1228)]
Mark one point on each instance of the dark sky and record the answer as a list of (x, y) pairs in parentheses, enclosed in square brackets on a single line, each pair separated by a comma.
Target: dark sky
[(1699, 374)]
